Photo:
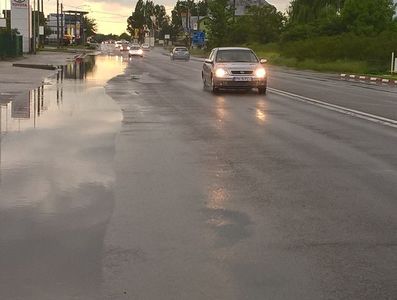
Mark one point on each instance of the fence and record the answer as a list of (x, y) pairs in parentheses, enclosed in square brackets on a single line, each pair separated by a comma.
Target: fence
[(10, 45)]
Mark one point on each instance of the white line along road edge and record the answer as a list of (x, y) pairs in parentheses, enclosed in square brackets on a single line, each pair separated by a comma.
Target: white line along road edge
[(337, 108)]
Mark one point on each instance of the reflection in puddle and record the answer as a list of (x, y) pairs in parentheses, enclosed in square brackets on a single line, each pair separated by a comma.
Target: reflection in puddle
[(260, 115), (260, 112), (56, 183)]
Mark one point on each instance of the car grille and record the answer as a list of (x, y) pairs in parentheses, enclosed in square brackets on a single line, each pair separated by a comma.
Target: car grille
[(242, 72)]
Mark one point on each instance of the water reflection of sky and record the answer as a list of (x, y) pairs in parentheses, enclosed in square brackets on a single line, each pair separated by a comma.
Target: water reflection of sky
[(56, 177)]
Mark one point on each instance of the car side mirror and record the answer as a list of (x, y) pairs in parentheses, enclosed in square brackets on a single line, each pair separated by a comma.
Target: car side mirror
[(263, 60), (208, 61)]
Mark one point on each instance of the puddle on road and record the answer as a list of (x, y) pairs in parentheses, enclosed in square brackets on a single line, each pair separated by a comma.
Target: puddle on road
[(56, 182)]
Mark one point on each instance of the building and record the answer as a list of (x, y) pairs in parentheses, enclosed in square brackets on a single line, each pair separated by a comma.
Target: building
[(395, 14), (70, 25), (241, 6)]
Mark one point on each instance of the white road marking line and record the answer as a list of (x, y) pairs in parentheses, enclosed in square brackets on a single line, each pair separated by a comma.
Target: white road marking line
[(347, 111)]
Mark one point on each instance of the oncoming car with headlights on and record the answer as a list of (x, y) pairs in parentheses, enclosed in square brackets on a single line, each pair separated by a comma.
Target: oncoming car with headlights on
[(135, 51), (234, 68)]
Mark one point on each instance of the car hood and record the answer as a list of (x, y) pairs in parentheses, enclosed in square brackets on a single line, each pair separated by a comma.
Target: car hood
[(238, 66)]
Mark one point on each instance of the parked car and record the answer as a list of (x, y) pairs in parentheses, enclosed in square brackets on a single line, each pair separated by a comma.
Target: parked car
[(234, 68), (180, 53), (135, 51), (145, 47)]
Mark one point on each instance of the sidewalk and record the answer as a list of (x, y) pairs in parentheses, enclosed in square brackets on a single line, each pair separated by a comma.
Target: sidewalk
[(15, 80)]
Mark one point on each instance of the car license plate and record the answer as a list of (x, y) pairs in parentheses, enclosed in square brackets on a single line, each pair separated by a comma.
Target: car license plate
[(242, 78)]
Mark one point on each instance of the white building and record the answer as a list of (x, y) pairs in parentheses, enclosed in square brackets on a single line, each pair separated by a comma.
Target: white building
[(395, 2), (243, 5), (52, 23), (70, 25)]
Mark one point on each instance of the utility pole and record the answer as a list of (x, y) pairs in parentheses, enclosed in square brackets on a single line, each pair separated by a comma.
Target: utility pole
[(38, 22), (42, 14), (34, 26), (62, 24), (234, 10), (58, 42), (198, 16)]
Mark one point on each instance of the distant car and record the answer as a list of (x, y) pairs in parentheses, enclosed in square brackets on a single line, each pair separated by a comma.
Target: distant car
[(125, 47), (234, 68), (180, 53), (135, 51), (117, 44), (145, 47)]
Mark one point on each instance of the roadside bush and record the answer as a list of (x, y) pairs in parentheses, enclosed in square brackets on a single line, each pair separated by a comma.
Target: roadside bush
[(373, 50)]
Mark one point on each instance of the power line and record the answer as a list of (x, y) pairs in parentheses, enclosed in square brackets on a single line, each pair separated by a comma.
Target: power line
[(99, 12)]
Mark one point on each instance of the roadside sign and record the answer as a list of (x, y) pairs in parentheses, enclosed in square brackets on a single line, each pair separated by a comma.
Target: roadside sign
[(3, 23), (41, 30), (166, 36), (198, 38)]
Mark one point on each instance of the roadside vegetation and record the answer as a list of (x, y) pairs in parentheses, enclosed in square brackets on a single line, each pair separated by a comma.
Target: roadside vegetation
[(326, 35)]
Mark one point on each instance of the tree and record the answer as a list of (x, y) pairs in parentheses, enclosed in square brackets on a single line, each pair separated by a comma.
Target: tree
[(305, 11), (220, 22), (265, 23), (176, 24), (162, 21), (137, 20), (90, 26), (125, 36), (368, 16)]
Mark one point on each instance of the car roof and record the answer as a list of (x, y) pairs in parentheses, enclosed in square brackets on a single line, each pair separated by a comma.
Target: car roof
[(233, 48)]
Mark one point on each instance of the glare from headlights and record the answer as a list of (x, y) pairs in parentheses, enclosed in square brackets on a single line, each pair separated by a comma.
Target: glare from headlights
[(128, 48), (260, 73), (140, 51), (220, 72)]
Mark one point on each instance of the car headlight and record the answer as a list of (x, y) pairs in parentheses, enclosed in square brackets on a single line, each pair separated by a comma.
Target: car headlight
[(220, 72), (260, 73), (128, 48), (140, 51)]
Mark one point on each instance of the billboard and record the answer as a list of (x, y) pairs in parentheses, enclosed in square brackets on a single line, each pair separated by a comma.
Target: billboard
[(21, 20)]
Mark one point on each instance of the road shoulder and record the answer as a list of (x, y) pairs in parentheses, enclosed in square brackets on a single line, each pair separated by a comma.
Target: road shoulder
[(15, 81)]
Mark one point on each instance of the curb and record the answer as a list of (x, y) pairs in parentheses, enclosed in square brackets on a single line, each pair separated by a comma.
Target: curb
[(368, 79), (34, 66)]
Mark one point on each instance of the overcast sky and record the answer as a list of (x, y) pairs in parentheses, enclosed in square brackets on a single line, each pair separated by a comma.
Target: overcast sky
[(111, 15)]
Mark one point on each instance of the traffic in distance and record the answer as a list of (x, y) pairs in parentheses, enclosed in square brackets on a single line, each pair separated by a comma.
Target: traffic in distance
[(225, 68)]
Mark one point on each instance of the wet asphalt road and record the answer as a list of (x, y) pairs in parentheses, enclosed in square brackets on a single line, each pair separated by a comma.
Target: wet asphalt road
[(202, 196)]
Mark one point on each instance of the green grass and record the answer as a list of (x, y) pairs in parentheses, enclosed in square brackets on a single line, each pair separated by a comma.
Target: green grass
[(199, 52), (337, 66)]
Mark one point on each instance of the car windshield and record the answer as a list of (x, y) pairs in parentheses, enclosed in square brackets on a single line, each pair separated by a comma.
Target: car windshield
[(135, 48), (236, 56), (180, 49)]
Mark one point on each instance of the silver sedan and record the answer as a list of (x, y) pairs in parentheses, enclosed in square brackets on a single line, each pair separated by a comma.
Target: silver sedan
[(180, 53), (234, 68)]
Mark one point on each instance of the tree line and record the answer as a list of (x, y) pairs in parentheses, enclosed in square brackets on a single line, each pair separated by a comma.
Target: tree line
[(319, 30), (309, 29)]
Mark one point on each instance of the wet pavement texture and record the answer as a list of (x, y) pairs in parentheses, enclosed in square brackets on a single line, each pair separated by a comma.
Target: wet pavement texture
[(57, 178), (244, 196), (158, 189)]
